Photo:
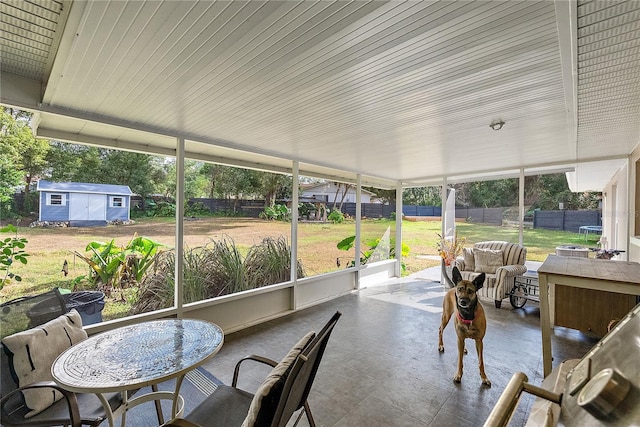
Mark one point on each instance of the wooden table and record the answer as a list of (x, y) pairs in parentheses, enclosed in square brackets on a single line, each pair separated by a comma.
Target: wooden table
[(573, 275), (135, 356)]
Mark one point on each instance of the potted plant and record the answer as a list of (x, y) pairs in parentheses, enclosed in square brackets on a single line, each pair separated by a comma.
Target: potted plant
[(449, 248)]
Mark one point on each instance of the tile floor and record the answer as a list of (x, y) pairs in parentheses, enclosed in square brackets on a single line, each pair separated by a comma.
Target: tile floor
[(382, 366)]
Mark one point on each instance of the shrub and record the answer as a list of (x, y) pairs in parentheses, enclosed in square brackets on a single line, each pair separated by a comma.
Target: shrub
[(165, 209), (208, 271), (276, 212), (156, 290), (196, 209), (229, 273), (214, 270), (305, 210), (154, 209), (11, 249), (336, 216), (269, 263)]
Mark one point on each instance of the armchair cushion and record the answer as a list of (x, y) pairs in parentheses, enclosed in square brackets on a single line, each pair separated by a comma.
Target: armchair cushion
[(265, 401), (32, 352), (487, 260), (469, 259)]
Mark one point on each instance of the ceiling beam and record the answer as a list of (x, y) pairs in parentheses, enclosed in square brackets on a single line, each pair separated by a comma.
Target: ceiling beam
[(567, 23), (19, 92)]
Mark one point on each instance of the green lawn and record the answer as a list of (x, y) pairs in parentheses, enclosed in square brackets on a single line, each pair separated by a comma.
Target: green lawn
[(48, 248)]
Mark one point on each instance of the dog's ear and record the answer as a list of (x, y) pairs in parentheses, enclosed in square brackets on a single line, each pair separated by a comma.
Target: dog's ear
[(455, 275), (479, 281)]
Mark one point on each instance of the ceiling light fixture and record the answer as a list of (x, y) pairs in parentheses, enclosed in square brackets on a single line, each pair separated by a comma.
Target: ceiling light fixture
[(497, 125)]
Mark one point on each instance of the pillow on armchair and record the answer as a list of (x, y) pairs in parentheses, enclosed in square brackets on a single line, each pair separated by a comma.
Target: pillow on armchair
[(487, 260), (32, 352), (469, 259)]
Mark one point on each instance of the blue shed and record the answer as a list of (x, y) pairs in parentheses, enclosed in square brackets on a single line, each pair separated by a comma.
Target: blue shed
[(83, 204)]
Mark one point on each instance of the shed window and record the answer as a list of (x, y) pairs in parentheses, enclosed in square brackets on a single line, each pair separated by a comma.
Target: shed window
[(117, 202), (54, 199)]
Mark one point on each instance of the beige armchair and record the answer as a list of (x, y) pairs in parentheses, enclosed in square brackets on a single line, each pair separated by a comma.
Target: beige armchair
[(500, 261)]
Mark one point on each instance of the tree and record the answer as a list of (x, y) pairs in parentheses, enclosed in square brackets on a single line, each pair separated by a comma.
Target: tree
[(273, 186), (141, 172), (10, 177), (342, 189), (422, 196), (385, 196), (25, 157), (195, 183), (487, 194), (229, 182), (74, 162), (33, 153)]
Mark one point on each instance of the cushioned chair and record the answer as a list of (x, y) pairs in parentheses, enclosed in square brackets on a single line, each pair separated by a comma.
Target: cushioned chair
[(281, 394), (500, 261), (34, 314)]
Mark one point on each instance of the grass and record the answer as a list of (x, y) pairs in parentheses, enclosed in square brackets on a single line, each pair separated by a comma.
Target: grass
[(48, 248)]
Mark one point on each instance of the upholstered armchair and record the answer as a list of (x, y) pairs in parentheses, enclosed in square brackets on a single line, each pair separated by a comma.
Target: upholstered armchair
[(500, 261)]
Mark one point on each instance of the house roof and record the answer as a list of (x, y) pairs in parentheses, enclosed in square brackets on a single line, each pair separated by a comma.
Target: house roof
[(390, 92), (84, 187)]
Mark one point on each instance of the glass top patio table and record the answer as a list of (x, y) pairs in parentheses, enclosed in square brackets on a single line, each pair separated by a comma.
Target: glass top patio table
[(135, 356)]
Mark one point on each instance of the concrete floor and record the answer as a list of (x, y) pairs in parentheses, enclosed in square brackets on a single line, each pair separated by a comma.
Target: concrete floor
[(382, 366)]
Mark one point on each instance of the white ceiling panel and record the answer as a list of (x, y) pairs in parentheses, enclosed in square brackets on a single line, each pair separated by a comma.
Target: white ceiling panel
[(393, 92), (609, 78), (28, 36)]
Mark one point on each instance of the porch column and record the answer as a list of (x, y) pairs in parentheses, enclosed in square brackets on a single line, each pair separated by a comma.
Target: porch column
[(521, 208), (358, 220), (294, 232), (179, 242), (398, 267)]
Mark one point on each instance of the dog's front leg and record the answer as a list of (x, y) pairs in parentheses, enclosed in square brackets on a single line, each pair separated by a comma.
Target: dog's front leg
[(458, 376), (479, 350), (443, 324)]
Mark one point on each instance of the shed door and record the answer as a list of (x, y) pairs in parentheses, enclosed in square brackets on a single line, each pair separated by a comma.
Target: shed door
[(92, 207)]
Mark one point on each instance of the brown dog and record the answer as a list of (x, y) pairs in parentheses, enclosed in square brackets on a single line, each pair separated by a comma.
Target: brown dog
[(469, 319)]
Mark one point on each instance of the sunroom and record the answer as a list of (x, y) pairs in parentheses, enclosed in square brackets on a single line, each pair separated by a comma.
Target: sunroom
[(374, 94)]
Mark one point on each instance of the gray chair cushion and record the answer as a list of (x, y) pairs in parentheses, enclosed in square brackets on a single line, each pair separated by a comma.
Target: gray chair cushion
[(229, 404)]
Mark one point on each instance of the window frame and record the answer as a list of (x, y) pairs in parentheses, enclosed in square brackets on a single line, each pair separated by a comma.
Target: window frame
[(112, 202), (50, 199)]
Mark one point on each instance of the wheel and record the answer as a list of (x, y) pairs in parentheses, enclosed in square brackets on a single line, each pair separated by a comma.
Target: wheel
[(518, 296)]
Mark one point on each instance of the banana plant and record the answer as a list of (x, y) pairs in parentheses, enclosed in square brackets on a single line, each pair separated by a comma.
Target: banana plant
[(348, 243), (114, 265)]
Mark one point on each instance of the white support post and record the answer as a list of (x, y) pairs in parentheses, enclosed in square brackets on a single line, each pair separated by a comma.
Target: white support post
[(443, 203), (398, 268), (294, 232), (521, 208), (179, 240), (358, 223), (448, 210)]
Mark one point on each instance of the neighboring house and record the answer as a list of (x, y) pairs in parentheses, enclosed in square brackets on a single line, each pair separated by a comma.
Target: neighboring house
[(83, 204), (329, 192)]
